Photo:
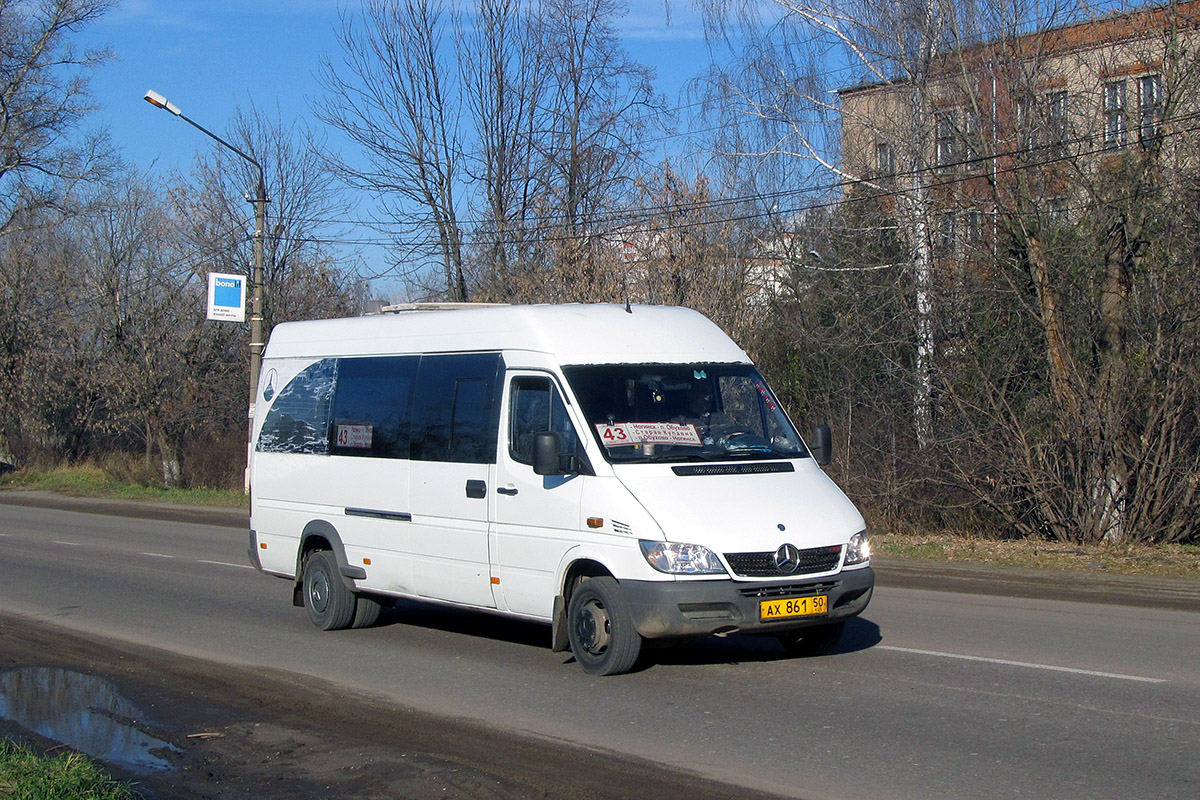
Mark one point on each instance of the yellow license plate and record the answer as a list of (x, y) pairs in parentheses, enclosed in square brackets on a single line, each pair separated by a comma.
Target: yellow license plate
[(793, 607)]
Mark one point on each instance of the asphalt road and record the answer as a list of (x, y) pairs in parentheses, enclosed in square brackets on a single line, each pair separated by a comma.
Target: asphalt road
[(932, 694)]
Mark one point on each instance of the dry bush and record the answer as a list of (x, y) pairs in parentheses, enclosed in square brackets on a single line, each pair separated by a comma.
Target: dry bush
[(130, 468), (215, 461)]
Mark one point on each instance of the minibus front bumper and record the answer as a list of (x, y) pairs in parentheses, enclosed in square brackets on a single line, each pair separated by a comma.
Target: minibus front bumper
[(664, 609)]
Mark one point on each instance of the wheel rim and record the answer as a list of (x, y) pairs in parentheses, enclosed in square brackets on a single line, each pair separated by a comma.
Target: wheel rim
[(318, 591), (592, 627)]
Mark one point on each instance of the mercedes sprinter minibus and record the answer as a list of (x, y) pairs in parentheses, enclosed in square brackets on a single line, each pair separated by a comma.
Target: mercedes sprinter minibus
[(623, 473)]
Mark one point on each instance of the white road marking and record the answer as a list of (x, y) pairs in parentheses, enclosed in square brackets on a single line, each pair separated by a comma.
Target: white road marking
[(1024, 664), (67, 544), (226, 564), (157, 555)]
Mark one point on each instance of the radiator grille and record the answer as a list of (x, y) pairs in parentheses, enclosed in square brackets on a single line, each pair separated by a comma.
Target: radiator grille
[(762, 565)]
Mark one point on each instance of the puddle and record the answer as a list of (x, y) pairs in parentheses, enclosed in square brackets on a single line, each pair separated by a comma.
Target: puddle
[(82, 711)]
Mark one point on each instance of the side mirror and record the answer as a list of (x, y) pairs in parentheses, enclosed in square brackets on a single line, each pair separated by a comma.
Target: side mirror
[(822, 445), (548, 457)]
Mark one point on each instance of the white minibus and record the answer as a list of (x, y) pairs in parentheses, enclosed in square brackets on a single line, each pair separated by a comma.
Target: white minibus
[(621, 472)]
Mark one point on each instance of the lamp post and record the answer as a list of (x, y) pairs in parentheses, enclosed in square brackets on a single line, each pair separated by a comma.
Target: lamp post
[(256, 281)]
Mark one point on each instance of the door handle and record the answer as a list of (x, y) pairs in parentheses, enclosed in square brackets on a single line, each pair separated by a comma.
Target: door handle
[(508, 490)]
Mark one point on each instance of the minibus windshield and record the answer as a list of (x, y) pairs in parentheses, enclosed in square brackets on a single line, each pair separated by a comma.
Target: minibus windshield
[(674, 412)]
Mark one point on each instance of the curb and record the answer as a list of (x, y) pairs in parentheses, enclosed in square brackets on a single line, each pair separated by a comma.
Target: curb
[(1178, 594), (201, 515)]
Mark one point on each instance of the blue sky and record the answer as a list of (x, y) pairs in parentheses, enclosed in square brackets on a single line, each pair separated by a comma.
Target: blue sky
[(210, 56)]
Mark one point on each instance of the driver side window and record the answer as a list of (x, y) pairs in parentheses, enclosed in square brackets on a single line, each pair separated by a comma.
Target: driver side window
[(536, 407)]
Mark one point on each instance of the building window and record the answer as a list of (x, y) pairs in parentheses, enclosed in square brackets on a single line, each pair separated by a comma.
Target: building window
[(1026, 123), (945, 238), (1056, 122), (885, 159), (1115, 132), (973, 143), (1150, 109), (974, 227), (946, 140)]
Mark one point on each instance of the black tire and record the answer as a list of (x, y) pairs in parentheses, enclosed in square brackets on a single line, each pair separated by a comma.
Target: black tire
[(816, 640), (329, 603), (366, 611), (600, 628)]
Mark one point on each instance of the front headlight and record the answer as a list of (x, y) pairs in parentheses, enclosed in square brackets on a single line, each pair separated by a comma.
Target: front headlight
[(858, 550), (681, 559)]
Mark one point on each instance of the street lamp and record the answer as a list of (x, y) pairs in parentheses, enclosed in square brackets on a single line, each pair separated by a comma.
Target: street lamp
[(260, 222)]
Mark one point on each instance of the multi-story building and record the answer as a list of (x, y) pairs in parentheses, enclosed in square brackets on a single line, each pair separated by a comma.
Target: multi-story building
[(1031, 123)]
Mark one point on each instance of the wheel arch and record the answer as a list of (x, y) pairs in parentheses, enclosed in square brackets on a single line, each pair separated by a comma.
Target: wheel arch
[(574, 571), (320, 534)]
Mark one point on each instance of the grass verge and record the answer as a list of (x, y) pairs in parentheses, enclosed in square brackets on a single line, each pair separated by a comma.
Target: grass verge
[(26, 775), (1167, 561), (1164, 561), (92, 481)]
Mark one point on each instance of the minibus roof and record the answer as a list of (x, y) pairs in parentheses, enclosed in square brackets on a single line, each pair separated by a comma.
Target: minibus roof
[(573, 334)]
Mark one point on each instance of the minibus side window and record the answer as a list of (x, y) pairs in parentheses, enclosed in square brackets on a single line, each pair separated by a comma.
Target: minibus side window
[(536, 407), (298, 421), (371, 406), (455, 414)]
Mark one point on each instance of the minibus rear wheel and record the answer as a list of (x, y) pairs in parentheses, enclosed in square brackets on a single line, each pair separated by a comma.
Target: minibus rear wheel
[(600, 628), (329, 603)]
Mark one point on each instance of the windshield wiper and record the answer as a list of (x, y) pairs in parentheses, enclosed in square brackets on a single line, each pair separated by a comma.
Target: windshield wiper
[(754, 452)]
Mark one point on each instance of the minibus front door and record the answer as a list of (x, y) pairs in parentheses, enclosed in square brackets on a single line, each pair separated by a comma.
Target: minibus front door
[(536, 517)]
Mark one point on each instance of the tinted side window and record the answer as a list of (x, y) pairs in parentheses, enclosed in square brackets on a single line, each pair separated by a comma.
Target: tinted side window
[(370, 407), (298, 422), (536, 408), (454, 408)]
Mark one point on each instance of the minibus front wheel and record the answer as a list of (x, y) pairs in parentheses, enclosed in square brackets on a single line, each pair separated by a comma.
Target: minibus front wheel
[(601, 630), (329, 603)]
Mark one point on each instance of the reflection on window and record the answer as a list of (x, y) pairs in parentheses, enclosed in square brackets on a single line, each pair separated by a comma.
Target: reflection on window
[(973, 141), (537, 408), (298, 421)]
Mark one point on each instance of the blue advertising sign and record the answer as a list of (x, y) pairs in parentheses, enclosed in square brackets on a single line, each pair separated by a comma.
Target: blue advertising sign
[(227, 297)]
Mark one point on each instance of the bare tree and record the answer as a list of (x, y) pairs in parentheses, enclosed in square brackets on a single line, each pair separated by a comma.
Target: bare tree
[(43, 158), (1087, 216), (505, 87), (394, 96), (43, 100), (1038, 236), (143, 309), (601, 108), (304, 275)]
